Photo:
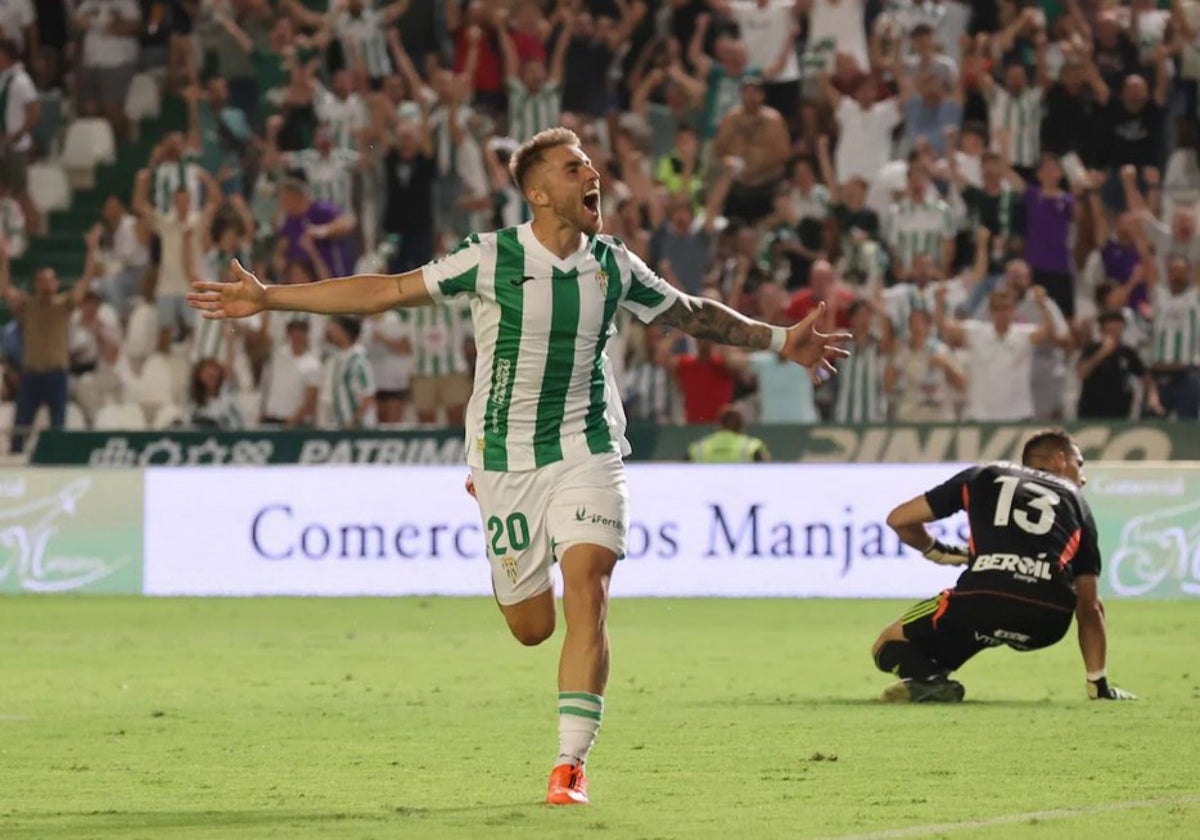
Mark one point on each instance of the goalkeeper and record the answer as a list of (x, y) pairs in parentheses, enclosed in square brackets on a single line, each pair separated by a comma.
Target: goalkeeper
[(1033, 561)]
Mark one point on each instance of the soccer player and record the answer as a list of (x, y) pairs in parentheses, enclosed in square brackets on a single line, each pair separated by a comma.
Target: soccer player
[(544, 424), (1033, 561)]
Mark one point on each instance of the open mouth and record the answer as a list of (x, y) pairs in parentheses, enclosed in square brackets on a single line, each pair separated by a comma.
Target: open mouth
[(591, 202)]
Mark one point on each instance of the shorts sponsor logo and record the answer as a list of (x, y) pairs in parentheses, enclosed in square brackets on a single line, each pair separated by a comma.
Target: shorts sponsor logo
[(1017, 641), (1022, 568), (582, 515)]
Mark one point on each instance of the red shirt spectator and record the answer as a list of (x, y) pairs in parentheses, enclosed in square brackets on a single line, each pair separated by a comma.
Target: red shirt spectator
[(706, 383), (805, 300), (489, 71)]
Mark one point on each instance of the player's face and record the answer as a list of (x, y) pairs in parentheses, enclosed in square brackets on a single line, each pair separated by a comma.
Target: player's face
[(571, 186), (1073, 467)]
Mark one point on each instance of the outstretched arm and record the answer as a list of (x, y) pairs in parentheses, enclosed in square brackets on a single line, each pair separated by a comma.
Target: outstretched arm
[(1093, 640), (358, 294), (714, 321)]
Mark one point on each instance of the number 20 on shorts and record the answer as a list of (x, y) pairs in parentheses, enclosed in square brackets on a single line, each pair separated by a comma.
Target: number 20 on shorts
[(515, 528)]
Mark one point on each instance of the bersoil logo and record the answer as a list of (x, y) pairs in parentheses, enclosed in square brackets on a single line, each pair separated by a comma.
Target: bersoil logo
[(32, 556)]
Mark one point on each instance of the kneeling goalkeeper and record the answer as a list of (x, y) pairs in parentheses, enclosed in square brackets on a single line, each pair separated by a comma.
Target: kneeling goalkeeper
[(1032, 563)]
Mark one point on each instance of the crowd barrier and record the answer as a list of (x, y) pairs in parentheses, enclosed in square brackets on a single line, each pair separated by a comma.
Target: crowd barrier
[(892, 443), (773, 530)]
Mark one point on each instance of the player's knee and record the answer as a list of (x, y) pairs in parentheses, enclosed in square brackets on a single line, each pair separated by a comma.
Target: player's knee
[(533, 633)]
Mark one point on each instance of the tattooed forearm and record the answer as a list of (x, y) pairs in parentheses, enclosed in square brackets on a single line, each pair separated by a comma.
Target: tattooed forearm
[(713, 321)]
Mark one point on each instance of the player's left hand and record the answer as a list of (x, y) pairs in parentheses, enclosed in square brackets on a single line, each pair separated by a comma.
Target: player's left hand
[(1101, 690), (816, 350), (947, 555)]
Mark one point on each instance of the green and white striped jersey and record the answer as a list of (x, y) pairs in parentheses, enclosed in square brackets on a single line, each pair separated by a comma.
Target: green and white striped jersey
[(209, 339), (350, 381), (363, 41), (329, 178), (860, 385), (1176, 332), (543, 387), (168, 177), (1021, 117), (912, 228), (344, 117), (438, 335), (529, 113)]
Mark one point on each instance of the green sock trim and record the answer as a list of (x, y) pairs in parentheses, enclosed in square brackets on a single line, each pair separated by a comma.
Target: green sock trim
[(581, 695), (573, 710)]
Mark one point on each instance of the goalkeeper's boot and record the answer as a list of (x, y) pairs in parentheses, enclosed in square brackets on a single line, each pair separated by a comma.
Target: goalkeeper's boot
[(935, 689), (568, 785)]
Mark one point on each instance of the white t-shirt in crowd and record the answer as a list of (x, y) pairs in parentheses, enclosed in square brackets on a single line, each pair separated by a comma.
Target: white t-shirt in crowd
[(842, 22), (865, 139), (173, 277), (100, 48), (21, 94), (999, 372), (392, 370), (286, 380), (767, 30)]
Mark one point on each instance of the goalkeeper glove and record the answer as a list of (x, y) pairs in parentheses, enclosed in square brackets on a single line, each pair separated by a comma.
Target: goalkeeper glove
[(947, 555), (1099, 689)]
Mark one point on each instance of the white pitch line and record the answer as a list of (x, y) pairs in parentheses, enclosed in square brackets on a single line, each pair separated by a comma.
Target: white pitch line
[(1011, 819)]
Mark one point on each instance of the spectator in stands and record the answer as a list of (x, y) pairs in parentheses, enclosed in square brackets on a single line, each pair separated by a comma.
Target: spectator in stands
[(410, 171), (916, 225), (534, 90), (20, 111), (770, 28), (1050, 210), (212, 401), (291, 380), (181, 234), (173, 166), (729, 444), (312, 228), (92, 324), (752, 141), (865, 126), (124, 239), (1048, 371), (999, 356), (388, 342), (351, 382), (110, 53), (649, 391), (1107, 370), (785, 392), (824, 286), (231, 32), (441, 384), (922, 377), (1175, 337), (929, 110), (18, 24), (219, 133), (45, 321), (707, 380), (860, 382)]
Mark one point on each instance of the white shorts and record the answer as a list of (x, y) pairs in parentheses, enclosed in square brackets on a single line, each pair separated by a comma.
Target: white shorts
[(530, 518)]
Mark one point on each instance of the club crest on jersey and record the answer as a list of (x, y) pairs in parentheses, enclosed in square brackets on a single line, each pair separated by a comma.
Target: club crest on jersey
[(510, 568), (602, 281)]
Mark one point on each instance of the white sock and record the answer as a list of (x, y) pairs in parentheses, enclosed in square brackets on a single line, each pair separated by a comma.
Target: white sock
[(578, 722)]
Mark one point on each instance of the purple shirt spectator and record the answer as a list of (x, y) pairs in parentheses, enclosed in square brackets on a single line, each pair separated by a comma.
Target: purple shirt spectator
[(1119, 263), (338, 253), (1048, 220)]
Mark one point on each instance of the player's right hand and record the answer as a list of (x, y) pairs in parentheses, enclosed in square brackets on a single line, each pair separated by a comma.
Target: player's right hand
[(947, 555), (242, 297), (1101, 690)]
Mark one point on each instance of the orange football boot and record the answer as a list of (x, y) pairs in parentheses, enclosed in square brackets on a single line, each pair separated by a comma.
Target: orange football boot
[(568, 786)]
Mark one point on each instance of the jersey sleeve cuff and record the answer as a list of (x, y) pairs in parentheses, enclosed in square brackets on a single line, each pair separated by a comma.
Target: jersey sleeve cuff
[(433, 283)]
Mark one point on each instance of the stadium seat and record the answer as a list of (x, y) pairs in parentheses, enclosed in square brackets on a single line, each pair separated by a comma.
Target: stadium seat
[(120, 417), (155, 384), (89, 142), (167, 416), (143, 100), (48, 187), (76, 420)]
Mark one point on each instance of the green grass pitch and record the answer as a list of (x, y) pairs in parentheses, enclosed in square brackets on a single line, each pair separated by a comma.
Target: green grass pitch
[(415, 718)]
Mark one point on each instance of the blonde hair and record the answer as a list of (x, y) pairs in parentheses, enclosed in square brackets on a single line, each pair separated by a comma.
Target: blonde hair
[(533, 151)]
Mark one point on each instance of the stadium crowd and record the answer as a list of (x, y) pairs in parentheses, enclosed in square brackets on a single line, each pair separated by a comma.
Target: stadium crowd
[(997, 198)]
